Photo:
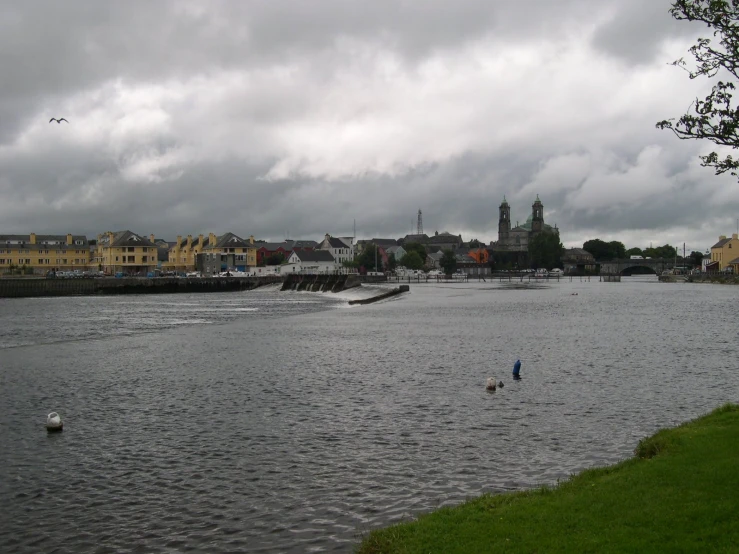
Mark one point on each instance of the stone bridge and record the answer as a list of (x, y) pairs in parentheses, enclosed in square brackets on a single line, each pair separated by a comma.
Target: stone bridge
[(622, 266)]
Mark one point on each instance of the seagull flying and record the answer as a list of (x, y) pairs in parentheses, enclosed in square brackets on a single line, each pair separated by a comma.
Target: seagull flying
[(58, 120)]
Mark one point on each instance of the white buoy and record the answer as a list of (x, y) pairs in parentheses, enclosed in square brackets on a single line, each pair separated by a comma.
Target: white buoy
[(54, 422), (490, 384)]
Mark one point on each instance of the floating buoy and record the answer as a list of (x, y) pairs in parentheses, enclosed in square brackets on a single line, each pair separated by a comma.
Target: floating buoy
[(490, 384), (516, 368), (54, 423)]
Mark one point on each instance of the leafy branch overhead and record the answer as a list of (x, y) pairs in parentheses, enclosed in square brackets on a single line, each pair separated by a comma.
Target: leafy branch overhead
[(714, 118)]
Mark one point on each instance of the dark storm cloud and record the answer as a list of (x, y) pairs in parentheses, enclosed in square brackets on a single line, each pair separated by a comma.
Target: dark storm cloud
[(276, 118)]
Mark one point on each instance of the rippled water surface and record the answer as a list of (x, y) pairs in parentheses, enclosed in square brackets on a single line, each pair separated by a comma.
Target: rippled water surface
[(291, 422)]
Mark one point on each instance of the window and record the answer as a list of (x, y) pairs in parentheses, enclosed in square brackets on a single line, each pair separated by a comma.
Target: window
[(28, 261), (116, 258), (64, 261), (2, 261)]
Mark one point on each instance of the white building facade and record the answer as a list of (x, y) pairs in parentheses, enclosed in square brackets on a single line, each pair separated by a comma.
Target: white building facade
[(341, 248)]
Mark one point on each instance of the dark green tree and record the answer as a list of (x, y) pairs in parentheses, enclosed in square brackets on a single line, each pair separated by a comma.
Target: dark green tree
[(448, 262), (715, 118), (474, 243), (696, 258), (665, 251), (598, 248), (391, 263), (416, 247), (634, 252), (367, 258), (275, 259), (412, 260), (545, 251), (618, 250)]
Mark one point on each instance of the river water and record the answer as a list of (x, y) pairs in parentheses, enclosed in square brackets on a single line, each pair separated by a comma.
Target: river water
[(291, 422)]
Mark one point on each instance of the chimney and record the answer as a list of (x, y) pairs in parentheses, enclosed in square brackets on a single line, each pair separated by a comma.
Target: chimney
[(69, 238), (722, 237), (251, 239), (179, 241), (212, 239), (189, 241), (328, 236), (201, 241), (735, 236), (151, 237), (32, 238)]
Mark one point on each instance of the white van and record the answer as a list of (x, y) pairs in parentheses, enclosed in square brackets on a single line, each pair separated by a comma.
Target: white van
[(637, 257)]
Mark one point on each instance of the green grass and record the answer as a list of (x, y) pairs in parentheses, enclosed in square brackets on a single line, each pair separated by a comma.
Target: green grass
[(679, 493)]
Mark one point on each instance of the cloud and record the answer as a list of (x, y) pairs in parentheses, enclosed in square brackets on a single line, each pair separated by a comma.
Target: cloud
[(270, 118)]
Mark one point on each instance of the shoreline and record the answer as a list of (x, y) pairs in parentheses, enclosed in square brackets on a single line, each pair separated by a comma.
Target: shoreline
[(674, 494)]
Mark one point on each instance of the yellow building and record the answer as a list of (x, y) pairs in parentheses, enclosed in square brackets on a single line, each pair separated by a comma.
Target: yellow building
[(183, 256), (725, 251), (43, 253), (125, 252)]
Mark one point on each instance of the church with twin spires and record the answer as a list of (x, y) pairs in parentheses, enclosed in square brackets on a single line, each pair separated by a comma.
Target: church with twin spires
[(517, 239)]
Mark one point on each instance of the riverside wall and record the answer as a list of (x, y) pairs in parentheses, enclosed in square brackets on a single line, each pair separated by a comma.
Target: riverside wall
[(30, 287)]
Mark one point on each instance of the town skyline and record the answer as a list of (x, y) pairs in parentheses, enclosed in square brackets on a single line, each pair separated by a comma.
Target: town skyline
[(245, 118)]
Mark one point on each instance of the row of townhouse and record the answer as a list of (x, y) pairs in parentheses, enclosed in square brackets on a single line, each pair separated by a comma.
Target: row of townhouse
[(41, 253), (132, 254)]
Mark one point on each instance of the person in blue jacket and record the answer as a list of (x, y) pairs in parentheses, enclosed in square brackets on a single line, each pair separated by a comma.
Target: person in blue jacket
[(516, 368)]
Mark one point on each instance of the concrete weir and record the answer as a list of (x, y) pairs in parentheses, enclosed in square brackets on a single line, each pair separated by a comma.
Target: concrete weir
[(29, 287), (320, 283), (394, 292)]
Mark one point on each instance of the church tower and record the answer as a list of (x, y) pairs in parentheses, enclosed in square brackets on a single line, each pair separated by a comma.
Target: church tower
[(537, 216), (504, 221)]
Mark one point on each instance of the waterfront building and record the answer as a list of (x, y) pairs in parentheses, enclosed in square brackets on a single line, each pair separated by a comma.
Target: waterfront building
[(577, 260), (725, 251), (43, 253), (341, 248), (184, 254), (243, 250), (311, 261), (285, 248), (125, 252), (517, 239)]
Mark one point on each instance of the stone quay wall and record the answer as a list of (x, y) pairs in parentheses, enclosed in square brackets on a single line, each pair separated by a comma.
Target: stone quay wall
[(30, 287)]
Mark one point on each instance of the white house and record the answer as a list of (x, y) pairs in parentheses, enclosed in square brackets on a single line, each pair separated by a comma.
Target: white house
[(310, 261), (342, 249)]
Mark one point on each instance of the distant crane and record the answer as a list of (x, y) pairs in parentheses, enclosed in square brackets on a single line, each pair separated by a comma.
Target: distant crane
[(419, 226)]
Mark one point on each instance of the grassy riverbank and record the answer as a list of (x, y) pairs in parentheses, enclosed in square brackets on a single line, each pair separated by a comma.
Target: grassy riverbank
[(678, 494)]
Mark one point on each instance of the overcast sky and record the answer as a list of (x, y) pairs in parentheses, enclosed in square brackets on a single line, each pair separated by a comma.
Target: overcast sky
[(273, 118)]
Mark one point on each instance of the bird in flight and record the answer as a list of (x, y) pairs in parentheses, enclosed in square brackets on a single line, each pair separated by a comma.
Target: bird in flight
[(58, 120)]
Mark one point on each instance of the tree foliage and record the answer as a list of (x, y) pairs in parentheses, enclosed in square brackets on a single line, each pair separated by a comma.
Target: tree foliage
[(715, 118), (412, 260), (634, 252), (602, 250), (448, 262), (696, 258), (545, 250), (665, 251), (275, 259), (367, 258), (416, 247)]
